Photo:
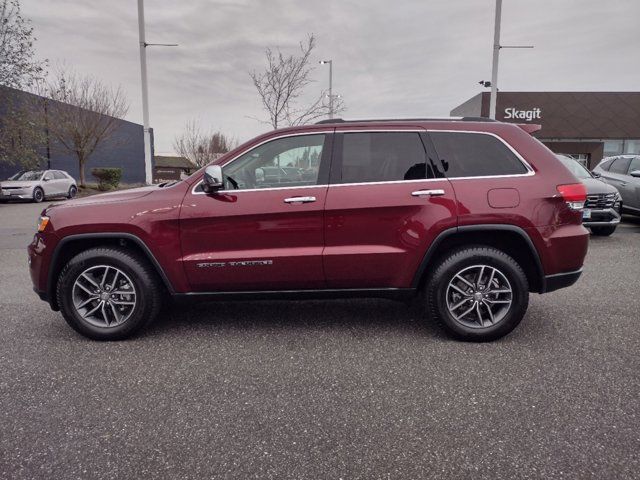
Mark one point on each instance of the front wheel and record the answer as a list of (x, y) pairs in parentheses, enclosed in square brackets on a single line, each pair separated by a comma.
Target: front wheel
[(603, 231), (477, 293), (38, 195), (108, 293)]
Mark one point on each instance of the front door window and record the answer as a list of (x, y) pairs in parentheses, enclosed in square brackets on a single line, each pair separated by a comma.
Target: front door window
[(285, 162)]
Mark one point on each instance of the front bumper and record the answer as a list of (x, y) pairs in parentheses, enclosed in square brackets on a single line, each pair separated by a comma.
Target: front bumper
[(16, 194), (602, 217)]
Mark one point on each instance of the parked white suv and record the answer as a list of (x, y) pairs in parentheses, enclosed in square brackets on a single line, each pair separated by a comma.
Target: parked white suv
[(36, 185)]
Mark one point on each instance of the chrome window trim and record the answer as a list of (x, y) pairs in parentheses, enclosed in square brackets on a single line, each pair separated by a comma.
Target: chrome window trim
[(527, 166), (356, 184)]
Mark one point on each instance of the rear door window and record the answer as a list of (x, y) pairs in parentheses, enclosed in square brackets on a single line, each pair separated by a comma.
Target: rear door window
[(382, 157), (466, 154), (620, 166)]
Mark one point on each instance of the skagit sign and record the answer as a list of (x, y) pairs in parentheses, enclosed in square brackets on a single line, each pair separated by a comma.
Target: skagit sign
[(512, 113)]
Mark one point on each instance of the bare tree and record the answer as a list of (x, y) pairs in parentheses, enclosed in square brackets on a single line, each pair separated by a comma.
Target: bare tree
[(86, 113), (202, 147), (283, 81)]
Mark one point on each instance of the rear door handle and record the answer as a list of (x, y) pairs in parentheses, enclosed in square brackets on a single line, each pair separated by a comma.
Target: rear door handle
[(300, 200), (430, 193)]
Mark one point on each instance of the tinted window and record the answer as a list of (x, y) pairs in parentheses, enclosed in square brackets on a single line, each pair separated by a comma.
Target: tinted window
[(606, 164), (382, 157), (574, 167), (635, 164), (285, 162), (475, 155), (620, 165)]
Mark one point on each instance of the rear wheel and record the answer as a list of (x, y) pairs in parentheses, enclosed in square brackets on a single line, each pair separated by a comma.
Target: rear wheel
[(603, 231), (72, 192), (38, 195), (108, 293), (477, 293)]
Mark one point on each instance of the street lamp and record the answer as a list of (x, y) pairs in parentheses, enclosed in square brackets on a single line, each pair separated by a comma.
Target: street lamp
[(496, 54), (330, 62), (148, 173)]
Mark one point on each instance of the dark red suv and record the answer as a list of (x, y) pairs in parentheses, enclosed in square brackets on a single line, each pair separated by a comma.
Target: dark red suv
[(466, 216)]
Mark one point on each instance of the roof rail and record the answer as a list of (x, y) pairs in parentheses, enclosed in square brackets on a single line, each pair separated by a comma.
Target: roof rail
[(431, 119)]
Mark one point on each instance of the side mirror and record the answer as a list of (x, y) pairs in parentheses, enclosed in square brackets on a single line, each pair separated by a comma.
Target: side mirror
[(596, 174), (635, 173), (46, 179), (212, 180)]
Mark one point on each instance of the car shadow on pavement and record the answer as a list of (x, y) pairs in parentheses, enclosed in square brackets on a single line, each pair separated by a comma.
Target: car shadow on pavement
[(360, 316)]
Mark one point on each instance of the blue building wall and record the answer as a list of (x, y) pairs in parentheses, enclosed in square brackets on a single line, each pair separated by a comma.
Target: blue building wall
[(125, 150)]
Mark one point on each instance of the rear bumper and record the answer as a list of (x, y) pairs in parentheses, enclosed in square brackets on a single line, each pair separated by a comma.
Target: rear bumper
[(560, 280)]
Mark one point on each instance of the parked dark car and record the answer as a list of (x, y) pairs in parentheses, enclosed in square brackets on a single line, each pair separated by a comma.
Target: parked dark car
[(602, 209), (463, 216), (623, 172)]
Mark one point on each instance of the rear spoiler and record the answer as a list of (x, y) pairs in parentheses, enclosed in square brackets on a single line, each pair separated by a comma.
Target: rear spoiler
[(530, 127)]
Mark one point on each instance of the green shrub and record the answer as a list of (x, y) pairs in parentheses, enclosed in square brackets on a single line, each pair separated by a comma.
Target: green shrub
[(108, 178)]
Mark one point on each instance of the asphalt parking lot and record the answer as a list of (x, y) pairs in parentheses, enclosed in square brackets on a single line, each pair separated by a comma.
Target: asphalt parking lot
[(335, 389)]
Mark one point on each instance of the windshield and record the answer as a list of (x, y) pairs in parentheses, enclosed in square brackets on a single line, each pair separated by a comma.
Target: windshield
[(27, 176), (574, 167)]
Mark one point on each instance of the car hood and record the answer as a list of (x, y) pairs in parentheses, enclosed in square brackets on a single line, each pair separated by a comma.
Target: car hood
[(110, 197), (19, 183)]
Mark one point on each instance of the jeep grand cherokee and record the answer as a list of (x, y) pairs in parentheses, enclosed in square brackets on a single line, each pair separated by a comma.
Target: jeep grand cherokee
[(464, 216)]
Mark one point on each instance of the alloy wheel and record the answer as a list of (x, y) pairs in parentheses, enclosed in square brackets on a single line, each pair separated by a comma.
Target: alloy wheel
[(104, 296), (479, 296)]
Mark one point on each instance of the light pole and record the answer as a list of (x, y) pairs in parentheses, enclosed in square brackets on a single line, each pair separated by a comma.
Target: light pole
[(330, 62), (148, 173), (496, 56)]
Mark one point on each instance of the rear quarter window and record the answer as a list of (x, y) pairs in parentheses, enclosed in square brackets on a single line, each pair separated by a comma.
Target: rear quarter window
[(465, 154)]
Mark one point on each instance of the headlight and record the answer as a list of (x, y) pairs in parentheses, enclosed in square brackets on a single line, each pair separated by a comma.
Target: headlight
[(42, 223)]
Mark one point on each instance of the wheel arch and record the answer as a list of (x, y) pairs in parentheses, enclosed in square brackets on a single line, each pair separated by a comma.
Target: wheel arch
[(70, 246), (511, 239)]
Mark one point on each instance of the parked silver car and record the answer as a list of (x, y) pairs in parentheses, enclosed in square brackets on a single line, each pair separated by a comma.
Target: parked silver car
[(36, 185), (623, 172)]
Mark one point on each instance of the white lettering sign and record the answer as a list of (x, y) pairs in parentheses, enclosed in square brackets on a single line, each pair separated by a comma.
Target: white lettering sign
[(528, 115)]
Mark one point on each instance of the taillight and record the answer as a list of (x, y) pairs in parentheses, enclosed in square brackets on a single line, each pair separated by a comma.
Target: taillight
[(574, 194)]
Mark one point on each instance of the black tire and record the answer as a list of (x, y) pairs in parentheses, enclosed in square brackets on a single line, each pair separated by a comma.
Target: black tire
[(73, 190), (603, 231), (38, 195), (466, 259), (145, 282)]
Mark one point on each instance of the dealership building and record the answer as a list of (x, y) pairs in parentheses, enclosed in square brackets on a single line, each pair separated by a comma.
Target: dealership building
[(584, 125)]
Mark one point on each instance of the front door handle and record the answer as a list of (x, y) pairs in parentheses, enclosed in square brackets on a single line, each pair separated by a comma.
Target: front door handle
[(623, 184), (300, 200), (430, 193)]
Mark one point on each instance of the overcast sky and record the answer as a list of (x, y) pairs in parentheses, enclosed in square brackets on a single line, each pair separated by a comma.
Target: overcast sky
[(391, 58)]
